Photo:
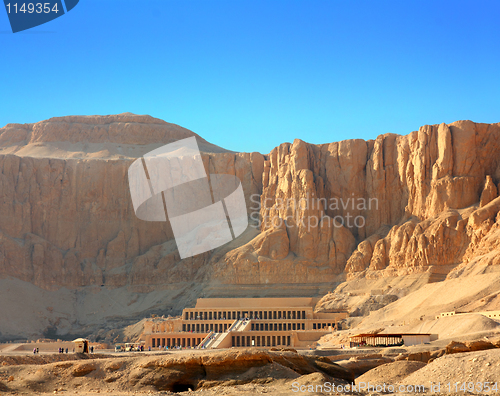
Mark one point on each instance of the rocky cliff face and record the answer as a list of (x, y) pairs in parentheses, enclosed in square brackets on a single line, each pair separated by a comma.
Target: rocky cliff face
[(427, 201), (395, 205), (69, 222)]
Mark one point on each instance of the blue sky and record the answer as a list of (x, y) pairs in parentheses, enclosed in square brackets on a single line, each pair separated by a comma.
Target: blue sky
[(249, 75)]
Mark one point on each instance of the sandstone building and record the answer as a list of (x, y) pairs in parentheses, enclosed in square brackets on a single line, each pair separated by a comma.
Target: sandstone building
[(243, 322)]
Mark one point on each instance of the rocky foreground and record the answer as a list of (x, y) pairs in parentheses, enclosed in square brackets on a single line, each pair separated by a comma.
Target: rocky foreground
[(248, 372), (174, 372)]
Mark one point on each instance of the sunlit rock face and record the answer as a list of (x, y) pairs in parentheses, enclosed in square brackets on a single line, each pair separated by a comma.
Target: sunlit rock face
[(319, 214)]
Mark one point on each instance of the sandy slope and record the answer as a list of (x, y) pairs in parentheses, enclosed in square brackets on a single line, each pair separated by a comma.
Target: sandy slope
[(473, 367), (391, 372), (453, 327), (415, 311), (434, 298)]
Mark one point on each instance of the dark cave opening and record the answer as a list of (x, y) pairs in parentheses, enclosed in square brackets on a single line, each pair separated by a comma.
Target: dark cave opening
[(182, 387)]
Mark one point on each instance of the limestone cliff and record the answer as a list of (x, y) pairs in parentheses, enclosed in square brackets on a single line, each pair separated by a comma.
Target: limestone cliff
[(424, 202), (66, 218), (415, 203)]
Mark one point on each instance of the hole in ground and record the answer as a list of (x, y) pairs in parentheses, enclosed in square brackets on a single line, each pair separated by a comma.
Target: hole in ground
[(182, 387)]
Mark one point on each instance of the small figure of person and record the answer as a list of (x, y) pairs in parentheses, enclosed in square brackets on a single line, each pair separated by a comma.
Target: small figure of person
[(34, 351), (66, 350), (92, 349)]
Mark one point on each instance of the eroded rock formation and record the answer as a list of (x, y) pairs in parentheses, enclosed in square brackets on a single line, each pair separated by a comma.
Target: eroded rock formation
[(169, 373)]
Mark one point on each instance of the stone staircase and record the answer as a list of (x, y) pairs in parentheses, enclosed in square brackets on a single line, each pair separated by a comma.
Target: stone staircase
[(216, 340), (213, 340), (239, 325), (203, 344)]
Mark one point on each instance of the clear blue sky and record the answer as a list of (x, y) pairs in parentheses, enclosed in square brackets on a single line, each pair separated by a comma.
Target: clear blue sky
[(249, 75)]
